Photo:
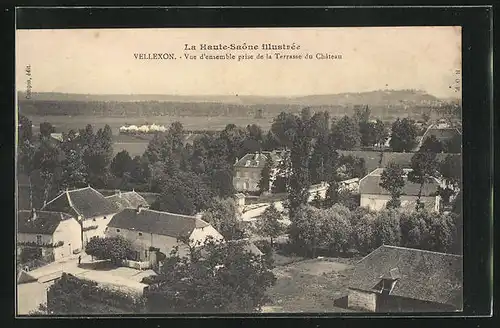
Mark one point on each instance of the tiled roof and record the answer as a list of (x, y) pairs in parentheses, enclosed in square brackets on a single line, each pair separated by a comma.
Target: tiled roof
[(86, 202), (257, 160), (370, 184), (441, 134), (422, 275), (372, 158), (246, 244), (129, 199), (45, 223), (156, 222)]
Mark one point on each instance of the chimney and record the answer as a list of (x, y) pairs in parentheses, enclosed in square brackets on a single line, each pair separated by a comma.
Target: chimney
[(33, 214), (139, 209), (118, 192)]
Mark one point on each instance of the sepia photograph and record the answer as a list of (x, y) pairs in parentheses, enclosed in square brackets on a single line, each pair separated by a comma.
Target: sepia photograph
[(238, 170)]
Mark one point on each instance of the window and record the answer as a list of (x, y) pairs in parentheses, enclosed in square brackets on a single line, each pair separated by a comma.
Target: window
[(93, 219), (38, 239), (104, 218), (117, 230), (140, 233)]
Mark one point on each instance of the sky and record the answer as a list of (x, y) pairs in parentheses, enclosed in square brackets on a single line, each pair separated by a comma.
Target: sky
[(102, 61)]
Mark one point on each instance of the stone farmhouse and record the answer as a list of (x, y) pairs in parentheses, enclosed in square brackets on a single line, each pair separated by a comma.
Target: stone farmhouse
[(374, 197), (90, 208), (50, 235), (248, 170), (154, 231), (398, 279)]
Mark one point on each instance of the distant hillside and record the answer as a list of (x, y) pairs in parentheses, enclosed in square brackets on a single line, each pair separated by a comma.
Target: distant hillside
[(374, 98), (383, 103)]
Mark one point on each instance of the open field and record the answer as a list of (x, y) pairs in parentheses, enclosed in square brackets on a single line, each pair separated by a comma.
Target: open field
[(66, 123), (310, 285)]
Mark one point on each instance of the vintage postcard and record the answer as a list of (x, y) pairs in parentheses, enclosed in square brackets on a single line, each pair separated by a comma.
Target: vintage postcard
[(239, 170)]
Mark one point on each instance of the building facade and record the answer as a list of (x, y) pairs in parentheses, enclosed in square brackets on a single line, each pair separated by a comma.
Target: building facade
[(51, 235), (375, 198), (248, 170), (154, 231), (89, 206)]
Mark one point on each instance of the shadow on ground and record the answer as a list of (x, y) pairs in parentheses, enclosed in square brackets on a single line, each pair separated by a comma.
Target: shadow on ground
[(98, 266)]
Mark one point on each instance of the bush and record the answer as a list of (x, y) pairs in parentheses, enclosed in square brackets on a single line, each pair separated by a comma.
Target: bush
[(264, 246), (115, 249)]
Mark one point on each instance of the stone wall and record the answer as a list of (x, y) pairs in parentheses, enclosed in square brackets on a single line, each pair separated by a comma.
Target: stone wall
[(360, 300)]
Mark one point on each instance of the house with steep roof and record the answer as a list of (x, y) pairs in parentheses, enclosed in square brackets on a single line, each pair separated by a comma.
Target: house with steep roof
[(399, 279), (248, 169), (53, 235), (89, 206), (442, 132), (375, 198), (152, 231), (128, 199)]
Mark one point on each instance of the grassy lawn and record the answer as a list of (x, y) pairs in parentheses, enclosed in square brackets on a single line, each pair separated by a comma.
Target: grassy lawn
[(309, 285)]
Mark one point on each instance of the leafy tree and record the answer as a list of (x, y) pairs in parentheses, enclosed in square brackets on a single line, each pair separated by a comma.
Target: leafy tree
[(368, 133), (443, 233), (324, 159), (139, 170), (350, 167), (283, 129), (393, 181), (71, 295), (336, 228), (345, 134), (181, 192), (222, 214), (381, 133), (25, 131), (424, 167), (154, 151), (176, 134), (414, 228), (451, 171), (299, 159), (332, 194), (454, 145), (305, 231), (361, 114), (48, 159), (219, 278), (265, 176), (75, 171), (254, 132), (320, 124), (233, 137), (404, 135), (348, 199), (270, 224), (115, 249), (46, 129), (121, 163), (363, 232), (433, 145), (387, 228), (222, 182)]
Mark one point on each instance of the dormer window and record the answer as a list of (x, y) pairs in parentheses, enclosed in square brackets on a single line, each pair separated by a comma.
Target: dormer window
[(388, 281)]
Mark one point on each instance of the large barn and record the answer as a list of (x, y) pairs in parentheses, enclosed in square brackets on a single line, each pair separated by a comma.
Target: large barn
[(398, 279)]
